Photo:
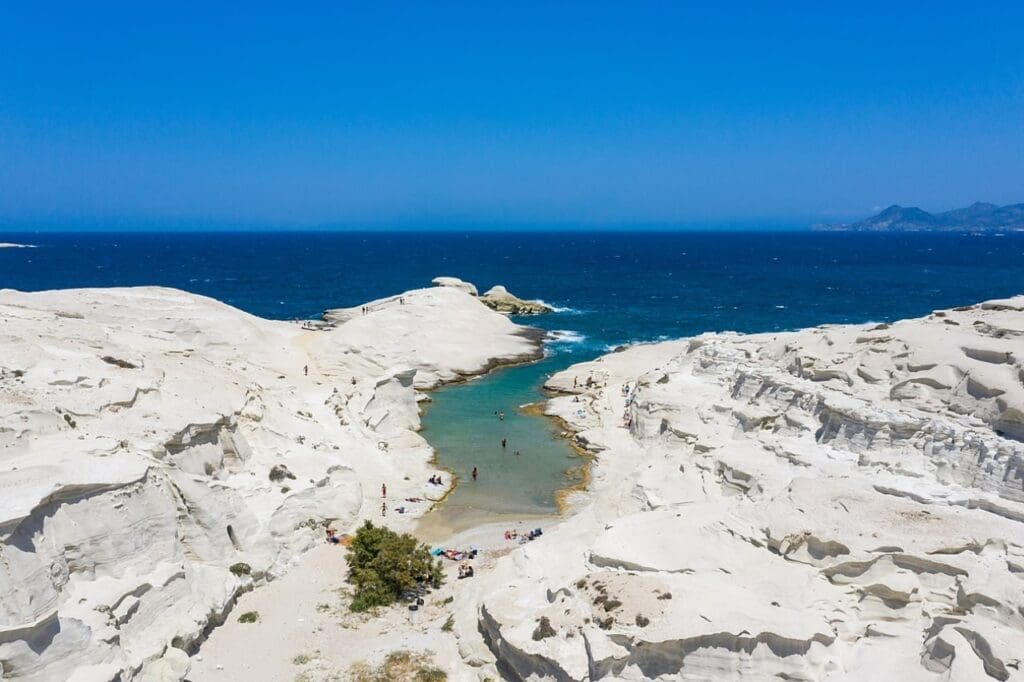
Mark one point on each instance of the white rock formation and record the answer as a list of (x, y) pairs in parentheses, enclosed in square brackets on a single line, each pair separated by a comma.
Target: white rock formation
[(455, 283), (839, 503), (138, 432), (499, 298)]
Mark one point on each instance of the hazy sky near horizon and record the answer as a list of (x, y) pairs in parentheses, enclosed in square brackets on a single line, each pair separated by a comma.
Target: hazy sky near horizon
[(434, 114)]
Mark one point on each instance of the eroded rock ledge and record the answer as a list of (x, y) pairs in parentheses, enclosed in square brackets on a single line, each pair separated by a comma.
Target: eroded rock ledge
[(161, 452), (496, 298), (839, 503)]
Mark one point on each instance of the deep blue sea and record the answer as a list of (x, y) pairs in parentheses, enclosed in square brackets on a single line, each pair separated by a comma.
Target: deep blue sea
[(619, 286), (610, 288)]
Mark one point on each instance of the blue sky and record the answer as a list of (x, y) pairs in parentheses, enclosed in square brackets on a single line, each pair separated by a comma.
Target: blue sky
[(504, 114)]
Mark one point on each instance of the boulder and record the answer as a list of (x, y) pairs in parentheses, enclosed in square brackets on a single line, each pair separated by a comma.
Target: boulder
[(454, 283), (499, 298)]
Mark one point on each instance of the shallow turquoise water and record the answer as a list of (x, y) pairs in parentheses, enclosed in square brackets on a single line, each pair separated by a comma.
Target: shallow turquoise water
[(462, 427)]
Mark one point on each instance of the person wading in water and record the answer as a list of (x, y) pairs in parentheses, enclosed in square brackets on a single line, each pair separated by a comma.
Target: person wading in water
[(474, 473)]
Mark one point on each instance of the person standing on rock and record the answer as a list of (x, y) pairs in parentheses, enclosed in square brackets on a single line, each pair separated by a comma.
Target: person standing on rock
[(383, 508), (383, 489), (305, 370), (474, 473)]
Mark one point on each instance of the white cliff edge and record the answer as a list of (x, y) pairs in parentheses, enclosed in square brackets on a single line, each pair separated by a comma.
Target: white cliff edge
[(161, 453), (838, 503)]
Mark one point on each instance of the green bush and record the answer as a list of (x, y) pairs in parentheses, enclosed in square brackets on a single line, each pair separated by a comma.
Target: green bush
[(382, 564), (399, 666), (543, 629), (249, 617), (240, 569)]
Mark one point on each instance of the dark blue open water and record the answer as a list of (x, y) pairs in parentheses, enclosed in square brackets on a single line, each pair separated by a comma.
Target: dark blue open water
[(613, 287), (621, 286)]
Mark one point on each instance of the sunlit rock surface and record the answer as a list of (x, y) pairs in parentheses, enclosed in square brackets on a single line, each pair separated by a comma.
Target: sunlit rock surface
[(838, 503), (161, 452)]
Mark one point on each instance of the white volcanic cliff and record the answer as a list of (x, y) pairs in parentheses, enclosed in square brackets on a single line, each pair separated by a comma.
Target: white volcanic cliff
[(151, 440), (838, 503)]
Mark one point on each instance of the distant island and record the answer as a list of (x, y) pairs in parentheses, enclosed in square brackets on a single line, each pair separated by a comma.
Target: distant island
[(978, 217)]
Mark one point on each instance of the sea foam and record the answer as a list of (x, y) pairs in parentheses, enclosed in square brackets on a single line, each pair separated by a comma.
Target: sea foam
[(565, 336)]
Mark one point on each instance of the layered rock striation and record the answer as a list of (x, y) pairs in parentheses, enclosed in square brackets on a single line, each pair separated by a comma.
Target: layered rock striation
[(838, 503), (161, 452)]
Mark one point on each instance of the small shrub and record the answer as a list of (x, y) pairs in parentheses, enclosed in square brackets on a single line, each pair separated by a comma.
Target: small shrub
[(399, 665), (448, 624), (249, 617), (240, 569), (612, 604), (543, 629), (279, 472), (323, 608), (448, 600), (285, 489), (581, 583), (667, 595), (430, 674), (606, 624), (642, 620), (301, 659)]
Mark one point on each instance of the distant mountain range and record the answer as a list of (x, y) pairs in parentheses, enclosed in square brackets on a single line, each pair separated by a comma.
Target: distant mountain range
[(977, 217)]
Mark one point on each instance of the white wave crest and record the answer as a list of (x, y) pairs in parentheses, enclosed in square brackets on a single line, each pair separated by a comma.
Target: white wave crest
[(11, 245), (559, 308), (565, 336)]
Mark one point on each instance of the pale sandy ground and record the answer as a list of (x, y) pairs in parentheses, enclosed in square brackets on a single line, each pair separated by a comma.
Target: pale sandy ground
[(306, 613)]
